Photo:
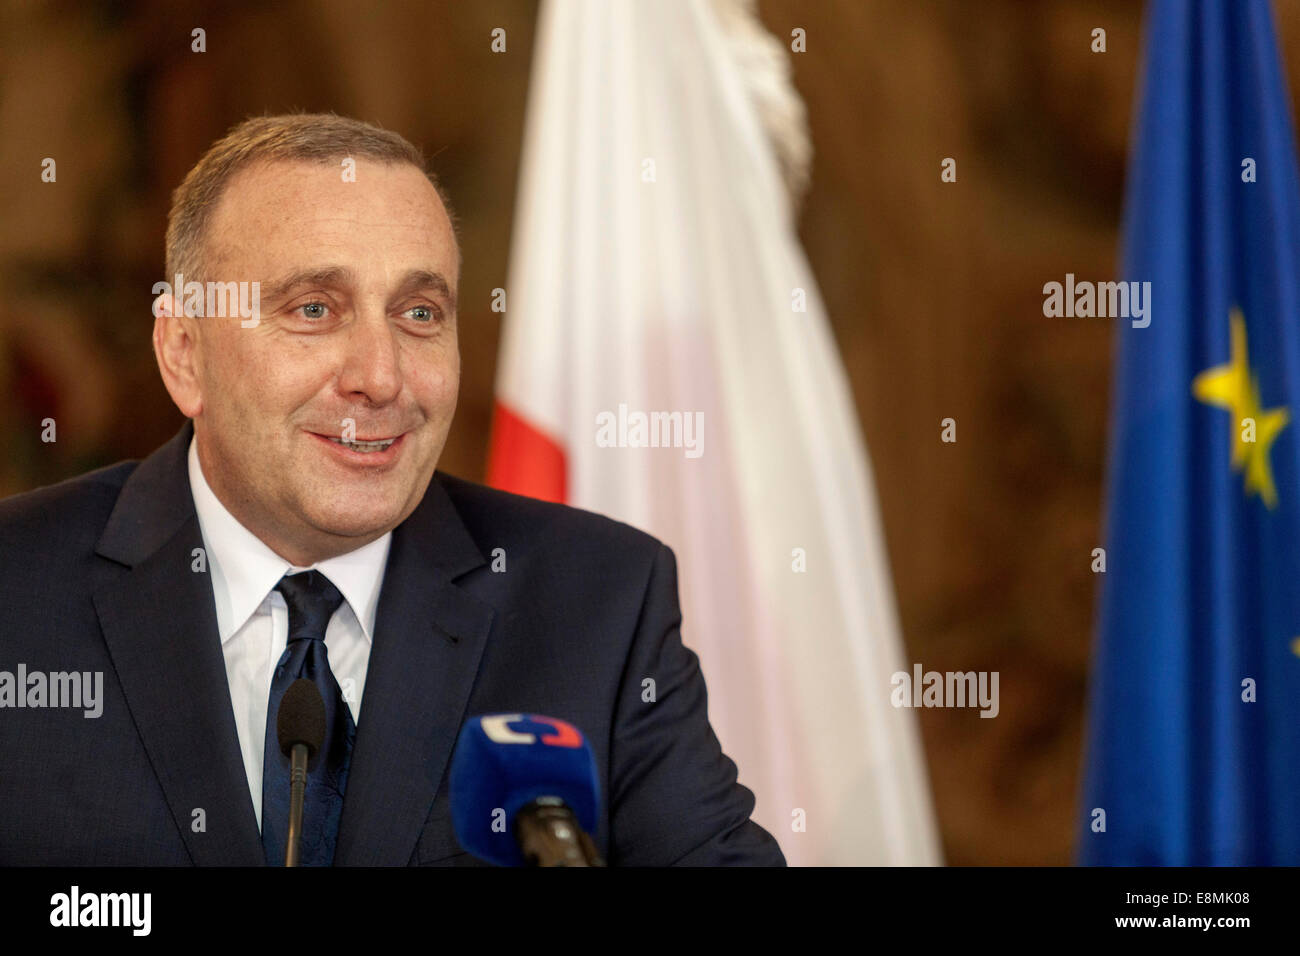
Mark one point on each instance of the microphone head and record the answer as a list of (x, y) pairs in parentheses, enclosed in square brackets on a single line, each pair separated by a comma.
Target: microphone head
[(504, 762), (301, 718)]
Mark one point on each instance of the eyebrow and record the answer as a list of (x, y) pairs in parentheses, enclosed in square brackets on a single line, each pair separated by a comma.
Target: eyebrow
[(342, 275), (332, 275), (424, 279)]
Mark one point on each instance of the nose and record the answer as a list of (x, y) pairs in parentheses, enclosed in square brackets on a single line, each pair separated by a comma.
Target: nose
[(372, 364)]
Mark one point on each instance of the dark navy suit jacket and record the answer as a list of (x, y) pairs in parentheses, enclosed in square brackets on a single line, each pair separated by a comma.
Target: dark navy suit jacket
[(96, 575)]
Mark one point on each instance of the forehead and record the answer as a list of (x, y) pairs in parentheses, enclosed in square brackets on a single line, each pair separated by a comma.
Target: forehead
[(271, 214)]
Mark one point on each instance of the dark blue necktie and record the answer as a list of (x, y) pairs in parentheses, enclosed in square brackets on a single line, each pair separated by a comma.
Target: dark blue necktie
[(312, 600)]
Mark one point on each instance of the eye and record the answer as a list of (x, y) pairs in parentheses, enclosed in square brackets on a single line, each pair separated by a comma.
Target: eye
[(423, 313), (313, 310)]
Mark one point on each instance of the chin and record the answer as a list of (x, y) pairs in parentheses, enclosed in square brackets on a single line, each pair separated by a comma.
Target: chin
[(348, 521)]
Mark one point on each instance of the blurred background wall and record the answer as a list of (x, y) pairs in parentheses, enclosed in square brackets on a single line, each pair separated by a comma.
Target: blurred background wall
[(934, 289)]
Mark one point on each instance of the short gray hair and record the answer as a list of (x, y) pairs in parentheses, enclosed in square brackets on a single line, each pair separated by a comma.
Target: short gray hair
[(313, 137)]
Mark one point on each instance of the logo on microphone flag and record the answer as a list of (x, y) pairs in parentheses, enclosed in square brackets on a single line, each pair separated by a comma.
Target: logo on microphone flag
[(655, 268), (503, 729)]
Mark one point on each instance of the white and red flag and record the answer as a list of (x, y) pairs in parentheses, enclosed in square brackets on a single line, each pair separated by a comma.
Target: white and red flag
[(666, 360)]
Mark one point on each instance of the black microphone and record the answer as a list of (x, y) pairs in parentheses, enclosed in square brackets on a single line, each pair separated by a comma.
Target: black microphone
[(300, 726)]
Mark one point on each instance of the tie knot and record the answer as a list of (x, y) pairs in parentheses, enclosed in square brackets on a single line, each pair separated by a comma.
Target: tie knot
[(312, 599)]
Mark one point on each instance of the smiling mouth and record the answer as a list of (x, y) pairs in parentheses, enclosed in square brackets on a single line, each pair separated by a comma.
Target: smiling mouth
[(362, 446)]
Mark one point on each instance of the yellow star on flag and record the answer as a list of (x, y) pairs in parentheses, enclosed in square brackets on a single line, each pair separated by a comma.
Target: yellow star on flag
[(1233, 386)]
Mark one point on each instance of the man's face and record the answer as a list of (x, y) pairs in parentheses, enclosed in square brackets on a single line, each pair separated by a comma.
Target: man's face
[(357, 335)]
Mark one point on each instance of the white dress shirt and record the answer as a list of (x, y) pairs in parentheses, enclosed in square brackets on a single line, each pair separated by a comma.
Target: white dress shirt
[(253, 619)]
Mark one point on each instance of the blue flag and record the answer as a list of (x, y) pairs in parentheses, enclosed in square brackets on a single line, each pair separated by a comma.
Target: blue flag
[(1193, 753)]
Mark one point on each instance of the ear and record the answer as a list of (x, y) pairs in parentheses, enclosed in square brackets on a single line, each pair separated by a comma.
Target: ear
[(175, 345)]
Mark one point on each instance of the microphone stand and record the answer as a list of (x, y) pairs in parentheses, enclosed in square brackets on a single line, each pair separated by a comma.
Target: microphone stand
[(297, 796)]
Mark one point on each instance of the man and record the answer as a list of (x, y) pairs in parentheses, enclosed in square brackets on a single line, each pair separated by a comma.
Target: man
[(296, 528)]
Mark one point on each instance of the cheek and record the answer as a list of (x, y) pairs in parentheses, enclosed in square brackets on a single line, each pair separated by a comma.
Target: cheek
[(436, 380), (451, 368), (269, 381), (227, 381)]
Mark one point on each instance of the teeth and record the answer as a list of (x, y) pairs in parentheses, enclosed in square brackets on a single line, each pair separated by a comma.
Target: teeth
[(364, 446)]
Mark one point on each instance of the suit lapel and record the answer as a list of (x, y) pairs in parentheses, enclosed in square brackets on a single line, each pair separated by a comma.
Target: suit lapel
[(159, 622), (429, 637)]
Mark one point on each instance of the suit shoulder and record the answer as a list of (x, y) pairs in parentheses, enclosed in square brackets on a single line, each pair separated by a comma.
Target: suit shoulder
[(77, 507), (492, 514)]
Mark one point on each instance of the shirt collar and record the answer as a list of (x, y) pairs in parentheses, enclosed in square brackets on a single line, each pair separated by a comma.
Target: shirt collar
[(244, 569)]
